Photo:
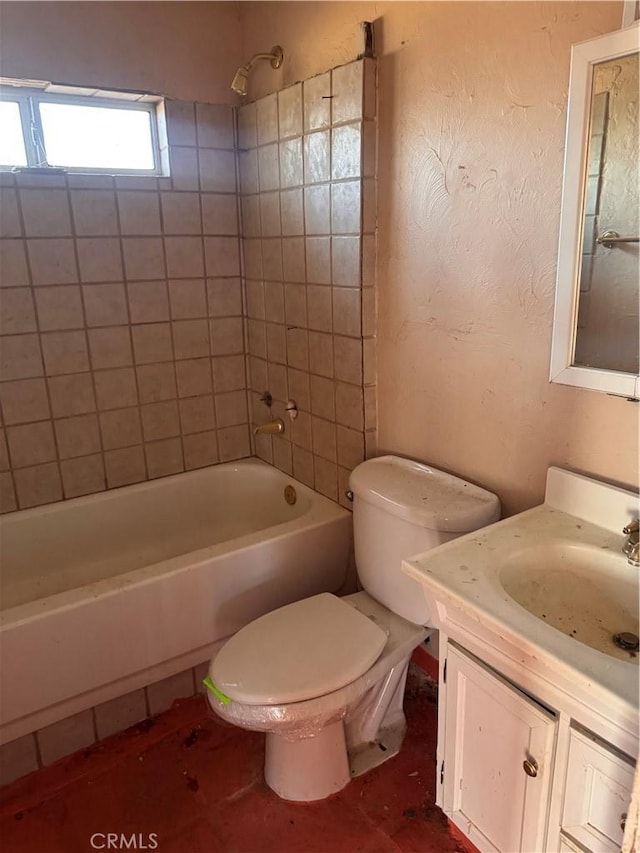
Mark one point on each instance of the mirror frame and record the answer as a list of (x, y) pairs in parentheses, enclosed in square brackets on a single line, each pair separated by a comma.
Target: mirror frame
[(584, 56)]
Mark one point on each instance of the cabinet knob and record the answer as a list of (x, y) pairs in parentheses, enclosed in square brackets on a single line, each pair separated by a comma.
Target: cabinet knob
[(530, 766), (623, 821)]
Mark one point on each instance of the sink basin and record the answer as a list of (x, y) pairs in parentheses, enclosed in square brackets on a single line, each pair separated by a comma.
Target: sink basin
[(590, 594), (548, 590)]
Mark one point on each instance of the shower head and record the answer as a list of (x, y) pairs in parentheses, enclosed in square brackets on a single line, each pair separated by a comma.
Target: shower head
[(240, 80), (241, 77)]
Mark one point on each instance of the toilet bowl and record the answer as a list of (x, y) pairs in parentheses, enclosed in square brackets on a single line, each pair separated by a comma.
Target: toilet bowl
[(324, 677), (314, 746)]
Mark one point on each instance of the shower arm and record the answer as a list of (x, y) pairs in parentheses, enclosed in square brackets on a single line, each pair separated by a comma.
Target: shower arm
[(275, 57)]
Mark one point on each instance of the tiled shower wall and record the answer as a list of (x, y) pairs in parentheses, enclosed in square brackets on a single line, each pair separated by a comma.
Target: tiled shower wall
[(307, 182), (122, 353)]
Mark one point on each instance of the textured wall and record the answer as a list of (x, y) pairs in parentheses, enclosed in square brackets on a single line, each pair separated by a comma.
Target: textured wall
[(179, 49), (121, 339), (472, 111)]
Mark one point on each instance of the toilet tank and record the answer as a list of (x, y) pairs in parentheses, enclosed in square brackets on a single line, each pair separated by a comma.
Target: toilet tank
[(402, 508)]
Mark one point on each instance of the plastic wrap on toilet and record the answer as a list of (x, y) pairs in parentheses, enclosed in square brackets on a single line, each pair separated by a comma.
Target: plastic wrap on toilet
[(299, 720), (292, 722)]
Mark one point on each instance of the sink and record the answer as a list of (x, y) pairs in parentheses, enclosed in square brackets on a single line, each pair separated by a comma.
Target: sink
[(588, 593), (547, 589)]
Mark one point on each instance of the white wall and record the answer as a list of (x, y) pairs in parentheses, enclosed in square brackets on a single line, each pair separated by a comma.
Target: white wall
[(472, 112), (179, 49)]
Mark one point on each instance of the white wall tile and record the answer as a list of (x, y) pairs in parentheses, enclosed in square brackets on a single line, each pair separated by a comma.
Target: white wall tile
[(347, 88), (13, 262), (65, 737), (345, 208), (100, 259), (139, 213), (94, 213), (267, 119), (83, 476), (20, 357), (181, 122), (46, 213), (10, 224), (317, 157), (247, 133), (52, 261), (143, 258), (268, 167), (17, 314), (317, 102), (184, 168), (17, 758), (291, 171), (120, 713), (346, 151), (215, 126), (290, 111), (217, 170), (162, 694), (185, 257)]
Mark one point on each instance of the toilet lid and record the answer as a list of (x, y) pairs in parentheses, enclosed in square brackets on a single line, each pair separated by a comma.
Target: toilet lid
[(298, 652)]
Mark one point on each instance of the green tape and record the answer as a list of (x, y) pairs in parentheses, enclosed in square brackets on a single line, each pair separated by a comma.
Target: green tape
[(216, 691)]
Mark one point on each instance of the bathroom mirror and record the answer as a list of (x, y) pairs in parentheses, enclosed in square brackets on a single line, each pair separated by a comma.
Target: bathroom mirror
[(596, 340)]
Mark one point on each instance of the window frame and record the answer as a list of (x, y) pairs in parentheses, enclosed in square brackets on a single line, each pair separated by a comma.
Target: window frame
[(29, 100)]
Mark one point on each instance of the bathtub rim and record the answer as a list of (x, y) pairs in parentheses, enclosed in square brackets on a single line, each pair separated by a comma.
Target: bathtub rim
[(321, 511), (107, 495)]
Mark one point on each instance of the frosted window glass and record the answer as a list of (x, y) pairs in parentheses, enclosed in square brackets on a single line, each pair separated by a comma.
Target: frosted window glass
[(12, 150), (78, 136)]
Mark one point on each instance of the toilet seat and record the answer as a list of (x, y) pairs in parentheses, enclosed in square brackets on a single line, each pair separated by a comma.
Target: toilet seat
[(298, 652)]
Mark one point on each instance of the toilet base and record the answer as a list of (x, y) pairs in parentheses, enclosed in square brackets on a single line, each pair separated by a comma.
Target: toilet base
[(369, 755), (312, 768), (307, 769)]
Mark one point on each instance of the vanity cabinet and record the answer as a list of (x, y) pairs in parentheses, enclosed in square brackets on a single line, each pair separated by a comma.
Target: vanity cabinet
[(528, 610), (498, 758), (515, 775)]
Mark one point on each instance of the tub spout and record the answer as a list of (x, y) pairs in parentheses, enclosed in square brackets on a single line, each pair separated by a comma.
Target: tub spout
[(271, 428)]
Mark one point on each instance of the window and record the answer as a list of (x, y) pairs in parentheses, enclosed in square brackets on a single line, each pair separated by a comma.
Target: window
[(77, 130), (12, 148)]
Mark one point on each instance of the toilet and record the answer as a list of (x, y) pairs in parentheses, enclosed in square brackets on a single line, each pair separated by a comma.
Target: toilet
[(324, 677)]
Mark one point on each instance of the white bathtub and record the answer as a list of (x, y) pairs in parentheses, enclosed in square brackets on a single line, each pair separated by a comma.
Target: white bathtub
[(106, 593)]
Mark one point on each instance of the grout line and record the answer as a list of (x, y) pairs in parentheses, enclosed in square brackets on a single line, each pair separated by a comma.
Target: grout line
[(37, 749), (243, 278), (133, 365), (174, 371), (87, 343)]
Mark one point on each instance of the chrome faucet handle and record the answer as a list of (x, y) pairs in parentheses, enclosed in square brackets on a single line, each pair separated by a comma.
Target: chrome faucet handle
[(633, 555), (631, 547)]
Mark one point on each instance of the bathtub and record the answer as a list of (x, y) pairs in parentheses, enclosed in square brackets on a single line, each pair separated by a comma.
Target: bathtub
[(103, 594)]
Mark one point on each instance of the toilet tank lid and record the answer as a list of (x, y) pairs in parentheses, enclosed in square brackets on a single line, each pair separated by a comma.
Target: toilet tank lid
[(424, 495)]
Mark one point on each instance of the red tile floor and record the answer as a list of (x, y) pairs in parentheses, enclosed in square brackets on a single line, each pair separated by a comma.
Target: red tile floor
[(196, 785)]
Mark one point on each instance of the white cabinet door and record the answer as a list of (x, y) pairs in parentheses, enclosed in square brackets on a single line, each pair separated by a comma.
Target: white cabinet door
[(494, 734), (597, 794)]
